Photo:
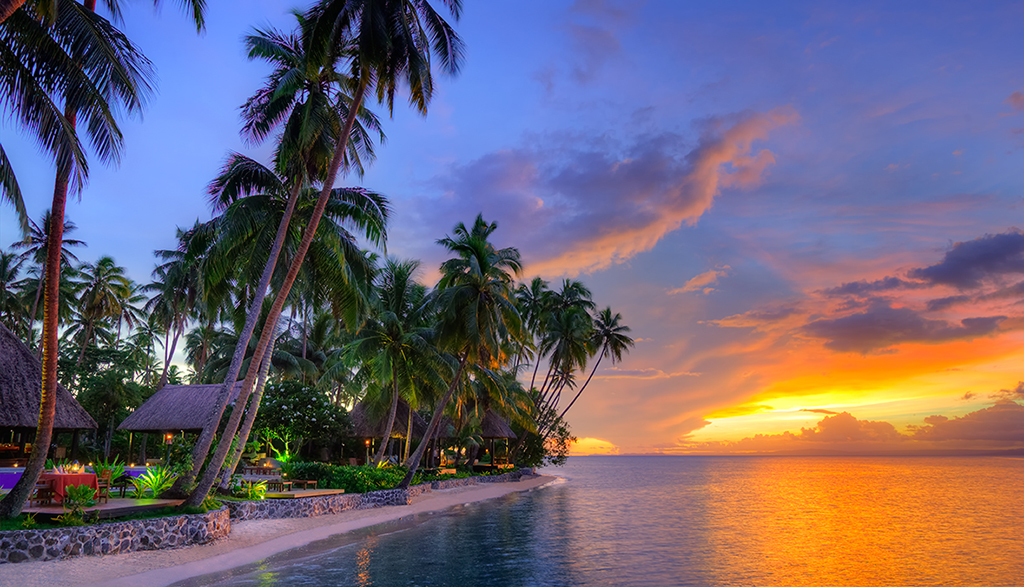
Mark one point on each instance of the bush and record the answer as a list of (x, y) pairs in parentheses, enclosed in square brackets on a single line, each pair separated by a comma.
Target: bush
[(352, 479)]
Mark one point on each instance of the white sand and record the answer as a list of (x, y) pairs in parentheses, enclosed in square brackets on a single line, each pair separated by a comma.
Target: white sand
[(249, 542)]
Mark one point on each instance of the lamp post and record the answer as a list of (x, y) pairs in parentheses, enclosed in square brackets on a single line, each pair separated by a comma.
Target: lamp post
[(367, 451), (168, 438)]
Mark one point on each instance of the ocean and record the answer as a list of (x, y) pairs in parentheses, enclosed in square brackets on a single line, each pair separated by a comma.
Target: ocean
[(788, 521)]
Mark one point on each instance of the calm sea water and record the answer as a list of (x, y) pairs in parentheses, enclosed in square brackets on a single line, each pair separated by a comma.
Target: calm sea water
[(699, 521)]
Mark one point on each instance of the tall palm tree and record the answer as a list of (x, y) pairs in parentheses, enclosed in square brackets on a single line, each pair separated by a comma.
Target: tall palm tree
[(34, 247), (476, 308), (304, 94), (611, 338), (108, 70), (392, 344), (105, 291)]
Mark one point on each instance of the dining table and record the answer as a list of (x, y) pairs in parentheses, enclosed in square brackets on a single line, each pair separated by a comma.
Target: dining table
[(63, 480)]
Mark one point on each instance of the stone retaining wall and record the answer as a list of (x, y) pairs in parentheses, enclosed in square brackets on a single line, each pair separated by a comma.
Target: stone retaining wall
[(305, 507), (58, 543)]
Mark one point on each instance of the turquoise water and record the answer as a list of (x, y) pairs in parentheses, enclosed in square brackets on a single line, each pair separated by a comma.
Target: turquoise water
[(699, 521)]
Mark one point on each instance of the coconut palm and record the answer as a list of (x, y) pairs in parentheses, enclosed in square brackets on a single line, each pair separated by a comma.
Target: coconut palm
[(34, 247), (12, 312), (107, 70), (610, 337), (476, 309), (393, 345), (304, 92), (105, 290)]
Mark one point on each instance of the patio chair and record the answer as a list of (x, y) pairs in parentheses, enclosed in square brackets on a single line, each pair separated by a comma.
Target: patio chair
[(103, 491), (122, 483), (43, 493)]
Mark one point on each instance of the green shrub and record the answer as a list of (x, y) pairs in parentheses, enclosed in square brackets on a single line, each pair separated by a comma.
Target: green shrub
[(153, 482), (115, 467), (352, 479)]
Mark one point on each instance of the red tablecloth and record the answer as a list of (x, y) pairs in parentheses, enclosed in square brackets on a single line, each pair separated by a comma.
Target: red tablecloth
[(62, 481)]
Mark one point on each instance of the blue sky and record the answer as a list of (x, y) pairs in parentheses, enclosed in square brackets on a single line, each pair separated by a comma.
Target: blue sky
[(714, 171)]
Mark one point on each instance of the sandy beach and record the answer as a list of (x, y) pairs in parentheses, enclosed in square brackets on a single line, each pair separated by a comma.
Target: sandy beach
[(249, 542)]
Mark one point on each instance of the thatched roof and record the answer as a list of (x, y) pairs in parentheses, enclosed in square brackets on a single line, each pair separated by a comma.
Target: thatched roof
[(366, 426), (177, 407), (21, 382), (492, 426)]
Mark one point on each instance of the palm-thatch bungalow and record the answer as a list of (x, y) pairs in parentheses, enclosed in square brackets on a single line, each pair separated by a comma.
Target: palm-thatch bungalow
[(177, 408), (21, 382), (368, 424)]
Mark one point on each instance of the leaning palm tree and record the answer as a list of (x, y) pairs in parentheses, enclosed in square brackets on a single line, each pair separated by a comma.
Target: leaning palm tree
[(610, 337), (475, 301), (304, 96)]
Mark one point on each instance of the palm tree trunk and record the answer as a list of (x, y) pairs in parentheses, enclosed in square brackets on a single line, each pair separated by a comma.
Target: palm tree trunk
[(167, 364), (202, 447), (379, 457), (204, 485), (250, 417), (13, 502), (414, 460), (562, 415), (408, 436)]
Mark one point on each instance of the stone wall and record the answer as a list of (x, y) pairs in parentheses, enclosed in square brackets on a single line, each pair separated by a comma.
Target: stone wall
[(58, 543), (304, 507)]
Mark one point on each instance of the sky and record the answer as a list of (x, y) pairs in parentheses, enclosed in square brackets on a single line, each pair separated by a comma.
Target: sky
[(808, 212)]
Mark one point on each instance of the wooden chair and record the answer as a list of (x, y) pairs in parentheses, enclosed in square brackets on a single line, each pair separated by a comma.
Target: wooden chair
[(103, 481), (43, 493)]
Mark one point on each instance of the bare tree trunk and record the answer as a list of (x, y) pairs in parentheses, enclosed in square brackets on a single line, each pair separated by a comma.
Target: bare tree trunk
[(167, 364), (379, 457)]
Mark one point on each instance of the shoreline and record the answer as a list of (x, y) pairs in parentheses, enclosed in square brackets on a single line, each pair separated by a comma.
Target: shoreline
[(249, 542)]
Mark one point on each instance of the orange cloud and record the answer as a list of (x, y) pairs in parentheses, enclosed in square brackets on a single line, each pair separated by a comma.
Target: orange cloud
[(702, 282), (593, 446)]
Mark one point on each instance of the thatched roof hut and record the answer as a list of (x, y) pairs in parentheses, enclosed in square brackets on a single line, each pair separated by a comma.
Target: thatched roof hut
[(177, 407), (21, 377), (367, 426), (492, 426)]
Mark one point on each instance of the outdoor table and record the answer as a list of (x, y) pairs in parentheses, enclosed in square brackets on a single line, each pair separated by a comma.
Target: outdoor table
[(63, 480), (305, 483), (279, 485)]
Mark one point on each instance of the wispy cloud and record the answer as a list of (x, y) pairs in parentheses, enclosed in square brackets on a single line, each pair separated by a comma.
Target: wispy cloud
[(703, 282)]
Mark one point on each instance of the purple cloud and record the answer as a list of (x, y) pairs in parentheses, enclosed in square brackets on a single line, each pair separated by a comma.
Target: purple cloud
[(968, 264), (882, 326)]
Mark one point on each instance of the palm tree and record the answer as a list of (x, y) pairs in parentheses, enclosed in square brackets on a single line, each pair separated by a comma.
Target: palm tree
[(34, 247), (304, 92), (106, 68), (11, 310), (393, 345), (476, 309), (611, 338), (105, 291)]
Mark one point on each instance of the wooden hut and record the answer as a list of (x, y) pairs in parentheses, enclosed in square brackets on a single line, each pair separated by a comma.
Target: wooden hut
[(368, 425), (177, 408), (21, 383)]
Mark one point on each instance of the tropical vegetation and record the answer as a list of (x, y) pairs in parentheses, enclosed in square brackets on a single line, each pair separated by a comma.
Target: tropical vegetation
[(276, 288)]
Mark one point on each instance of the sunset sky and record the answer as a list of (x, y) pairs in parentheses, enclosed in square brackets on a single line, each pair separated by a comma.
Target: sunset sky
[(807, 213)]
